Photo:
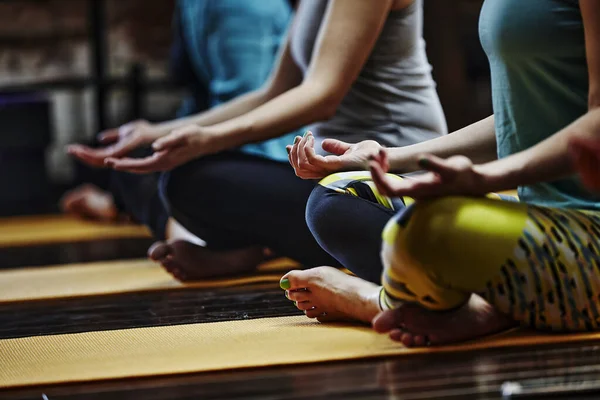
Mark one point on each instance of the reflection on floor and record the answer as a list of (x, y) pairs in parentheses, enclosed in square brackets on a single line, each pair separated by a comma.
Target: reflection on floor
[(469, 375)]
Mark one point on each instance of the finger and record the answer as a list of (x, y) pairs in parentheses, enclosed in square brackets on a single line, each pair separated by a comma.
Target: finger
[(177, 138), (586, 160), (380, 179), (305, 147), (384, 160), (288, 148), (302, 161), (294, 153), (381, 159), (150, 163), (592, 145), (394, 187), (109, 136), (327, 163), (87, 155), (309, 175), (98, 155), (335, 146), (438, 165)]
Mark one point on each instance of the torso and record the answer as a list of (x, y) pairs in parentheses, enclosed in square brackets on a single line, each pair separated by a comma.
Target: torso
[(393, 100), (537, 57)]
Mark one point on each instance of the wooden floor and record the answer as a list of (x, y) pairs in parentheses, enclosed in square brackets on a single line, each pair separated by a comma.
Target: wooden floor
[(471, 375)]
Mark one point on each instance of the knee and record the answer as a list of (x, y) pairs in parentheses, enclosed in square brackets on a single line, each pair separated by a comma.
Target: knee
[(318, 210), (423, 231), (171, 190)]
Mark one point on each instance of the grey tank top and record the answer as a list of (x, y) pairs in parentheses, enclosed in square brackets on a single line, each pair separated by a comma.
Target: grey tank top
[(394, 100)]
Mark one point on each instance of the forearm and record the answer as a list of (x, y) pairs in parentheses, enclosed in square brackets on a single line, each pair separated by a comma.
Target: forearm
[(547, 161), (298, 107), (221, 113), (476, 141), (590, 10)]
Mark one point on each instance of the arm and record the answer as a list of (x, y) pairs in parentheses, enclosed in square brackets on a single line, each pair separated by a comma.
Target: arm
[(233, 66), (348, 34), (547, 161), (476, 141), (590, 11)]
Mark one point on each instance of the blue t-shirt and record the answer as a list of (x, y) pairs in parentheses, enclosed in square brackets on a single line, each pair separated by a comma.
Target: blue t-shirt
[(232, 46), (536, 50)]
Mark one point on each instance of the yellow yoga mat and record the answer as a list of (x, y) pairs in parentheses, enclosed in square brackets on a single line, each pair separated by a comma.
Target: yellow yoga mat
[(103, 278), (26, 231), (169, 350)]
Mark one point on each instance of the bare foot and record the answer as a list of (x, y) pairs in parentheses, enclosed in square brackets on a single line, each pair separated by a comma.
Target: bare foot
[(187, 261), (413, 325), (328, 294), (89, 201)]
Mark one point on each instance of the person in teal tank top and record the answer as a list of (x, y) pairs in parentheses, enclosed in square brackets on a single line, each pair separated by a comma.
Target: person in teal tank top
[(537, 56), (460, 263)]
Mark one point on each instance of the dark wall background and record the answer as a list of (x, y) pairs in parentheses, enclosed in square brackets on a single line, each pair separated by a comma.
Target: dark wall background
[(48, 40)]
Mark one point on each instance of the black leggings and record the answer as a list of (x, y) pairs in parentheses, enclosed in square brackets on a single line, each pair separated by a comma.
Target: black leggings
[(138, 196), (346, 216), (233, 200)]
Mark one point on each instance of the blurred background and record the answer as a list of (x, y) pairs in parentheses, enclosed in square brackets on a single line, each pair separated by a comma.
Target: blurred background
[(71, 68)]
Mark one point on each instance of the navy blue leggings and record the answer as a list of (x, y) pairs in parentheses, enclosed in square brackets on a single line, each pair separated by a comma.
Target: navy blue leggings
[(234, 200), (346, 215)]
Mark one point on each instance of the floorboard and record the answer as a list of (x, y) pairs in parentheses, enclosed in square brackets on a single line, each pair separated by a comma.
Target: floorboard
[(74, 252), (470, 375), (137, 310)]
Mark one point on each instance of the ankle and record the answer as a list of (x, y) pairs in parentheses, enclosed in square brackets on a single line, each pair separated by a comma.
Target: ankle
[(369, 295)]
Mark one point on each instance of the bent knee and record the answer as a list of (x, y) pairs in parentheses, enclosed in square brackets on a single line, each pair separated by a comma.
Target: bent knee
[(318, 213), (426, 229), (173, 188)]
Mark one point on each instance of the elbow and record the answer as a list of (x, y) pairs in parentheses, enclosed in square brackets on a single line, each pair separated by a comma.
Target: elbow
[(326, 101), (328, 108)]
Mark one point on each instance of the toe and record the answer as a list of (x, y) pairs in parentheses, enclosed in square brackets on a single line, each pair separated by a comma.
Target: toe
[(174, 269), (293, 280), (407, 339), (159, 250), (327, 318), (305, 305), (313, 313), (388, 320), (419, 340), (396, 335), (298, 295)]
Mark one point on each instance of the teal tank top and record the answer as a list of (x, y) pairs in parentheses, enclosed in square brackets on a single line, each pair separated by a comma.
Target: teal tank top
[(536, 50)]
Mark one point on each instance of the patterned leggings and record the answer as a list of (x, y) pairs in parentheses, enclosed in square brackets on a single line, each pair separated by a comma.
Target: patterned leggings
[(539, 265)]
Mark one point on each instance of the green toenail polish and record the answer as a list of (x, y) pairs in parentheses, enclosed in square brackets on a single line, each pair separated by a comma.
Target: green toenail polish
[(423, 162), (285, 284)]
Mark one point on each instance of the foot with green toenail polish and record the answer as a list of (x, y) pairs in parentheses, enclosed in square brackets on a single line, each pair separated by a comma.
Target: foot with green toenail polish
[(328, 295)]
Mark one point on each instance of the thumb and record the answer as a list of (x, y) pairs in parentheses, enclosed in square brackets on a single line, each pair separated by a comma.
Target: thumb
[(173, 139), (335, 146)]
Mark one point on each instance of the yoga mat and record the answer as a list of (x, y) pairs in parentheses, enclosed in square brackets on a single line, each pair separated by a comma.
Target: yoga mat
[(36, 230), (169, 350), (103, 278)]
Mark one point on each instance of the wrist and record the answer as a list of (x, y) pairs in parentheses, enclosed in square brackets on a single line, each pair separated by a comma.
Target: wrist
[(403, 160), (498, 175)]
